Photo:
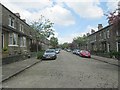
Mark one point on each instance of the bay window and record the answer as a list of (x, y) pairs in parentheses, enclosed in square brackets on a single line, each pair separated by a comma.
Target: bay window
[(22, 41), (13, 38)]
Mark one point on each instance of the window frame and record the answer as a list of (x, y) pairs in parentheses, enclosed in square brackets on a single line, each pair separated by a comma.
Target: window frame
[(23, 41), (118, 48), (11, 22), (3, 40), (21, 28), (108, 34), (14, 39)]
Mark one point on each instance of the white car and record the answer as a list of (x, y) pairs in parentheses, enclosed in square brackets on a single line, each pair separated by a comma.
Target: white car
[(57, 51)]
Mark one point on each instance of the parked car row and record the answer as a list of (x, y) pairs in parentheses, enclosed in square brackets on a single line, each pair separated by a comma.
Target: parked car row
[(76, 51), (68, 50), (82, 53), (50, 54)]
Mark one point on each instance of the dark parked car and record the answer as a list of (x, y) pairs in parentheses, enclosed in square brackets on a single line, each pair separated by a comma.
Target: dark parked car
[(50, 54), (84, 53)]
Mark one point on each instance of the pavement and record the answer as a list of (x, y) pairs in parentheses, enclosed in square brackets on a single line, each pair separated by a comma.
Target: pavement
[(10, 70), (107, 60), (15, 68)]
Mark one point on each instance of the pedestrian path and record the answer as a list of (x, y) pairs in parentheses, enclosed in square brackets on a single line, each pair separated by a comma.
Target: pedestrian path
[(9, 70), (107, 60)]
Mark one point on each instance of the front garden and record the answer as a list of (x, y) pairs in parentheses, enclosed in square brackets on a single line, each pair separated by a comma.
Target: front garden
[(112, 54)]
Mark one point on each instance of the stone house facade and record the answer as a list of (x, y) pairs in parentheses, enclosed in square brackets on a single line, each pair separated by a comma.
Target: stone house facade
[(17, 35), (106, 39)]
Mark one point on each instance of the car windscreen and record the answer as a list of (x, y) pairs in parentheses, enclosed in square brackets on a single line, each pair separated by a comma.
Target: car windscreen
[(50, 51)]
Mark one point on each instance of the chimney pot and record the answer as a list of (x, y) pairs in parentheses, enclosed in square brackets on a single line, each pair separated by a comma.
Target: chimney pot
[(92, 31), (24, 20), (88, 34), (100, 26), (17, 14)]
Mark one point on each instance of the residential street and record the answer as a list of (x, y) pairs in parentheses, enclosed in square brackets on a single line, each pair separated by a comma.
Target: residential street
[(67, 71)]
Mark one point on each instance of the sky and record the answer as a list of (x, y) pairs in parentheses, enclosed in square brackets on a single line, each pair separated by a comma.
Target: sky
[(71, 18)]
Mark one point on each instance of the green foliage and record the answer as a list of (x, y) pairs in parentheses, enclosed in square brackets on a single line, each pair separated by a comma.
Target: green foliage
[(44, 27), (65, 45), (5, 49), (80, 40), (113, 53), (40, 54), (54, 42)]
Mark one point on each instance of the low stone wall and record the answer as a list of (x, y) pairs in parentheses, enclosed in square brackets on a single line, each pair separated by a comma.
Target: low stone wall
[(107, 55), (15, 58)]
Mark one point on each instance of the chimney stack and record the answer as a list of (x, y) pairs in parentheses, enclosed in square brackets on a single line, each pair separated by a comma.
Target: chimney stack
[(88, 34), (92, 31), (17, 14), (24, 20), (100, 26)]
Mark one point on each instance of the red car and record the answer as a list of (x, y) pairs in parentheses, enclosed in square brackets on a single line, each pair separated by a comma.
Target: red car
[(84, 53)]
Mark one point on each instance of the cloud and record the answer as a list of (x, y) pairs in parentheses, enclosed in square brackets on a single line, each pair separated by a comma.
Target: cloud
[(86, 8), (16, 9), (65, 39), (112, 5), (69, 38), (32, 11), (59, 15)]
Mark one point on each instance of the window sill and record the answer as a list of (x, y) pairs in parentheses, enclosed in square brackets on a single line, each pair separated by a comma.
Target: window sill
[(12, 27), (13, 45), (22, 46), (22, 31)]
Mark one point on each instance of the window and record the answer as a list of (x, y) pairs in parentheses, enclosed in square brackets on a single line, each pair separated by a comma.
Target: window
[(11, 22), (10, 39), (104, 35), (108, 47), (100, 35), (2, 40), (117, 32), (21, 28), (22, 41), (13, 38), (118, 46), (95, 38), (108, 34)]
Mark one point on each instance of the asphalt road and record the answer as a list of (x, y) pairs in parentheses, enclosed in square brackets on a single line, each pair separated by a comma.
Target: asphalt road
[(67, 71)]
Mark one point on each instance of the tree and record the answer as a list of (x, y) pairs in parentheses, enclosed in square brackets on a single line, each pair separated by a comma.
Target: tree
[(65, 45), (114, 17), (44, 27), (80, 41), (54, 42)]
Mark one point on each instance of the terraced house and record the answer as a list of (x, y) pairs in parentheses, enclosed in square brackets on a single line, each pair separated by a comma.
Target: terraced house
[(106, 39), (17, 36)]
